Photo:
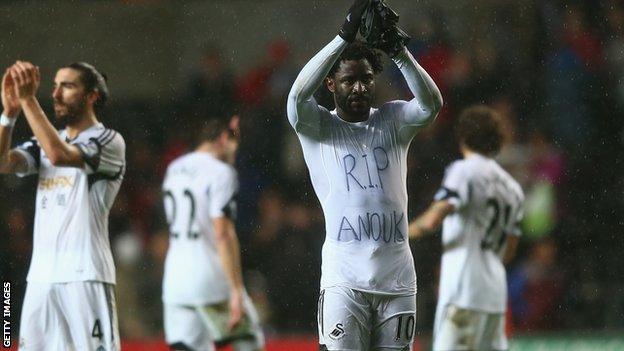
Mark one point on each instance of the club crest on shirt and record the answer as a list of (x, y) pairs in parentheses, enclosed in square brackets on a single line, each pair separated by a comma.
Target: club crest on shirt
[(338, 332)]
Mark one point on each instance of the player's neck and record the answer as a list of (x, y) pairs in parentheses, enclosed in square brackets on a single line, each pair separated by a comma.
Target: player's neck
[(214, 151), (467, 153), (82, 124), (352, 118)]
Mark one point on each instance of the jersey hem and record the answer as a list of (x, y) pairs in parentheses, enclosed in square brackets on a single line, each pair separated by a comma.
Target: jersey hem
[(379, 292), (197, 303), (475, 309), (63, 281)]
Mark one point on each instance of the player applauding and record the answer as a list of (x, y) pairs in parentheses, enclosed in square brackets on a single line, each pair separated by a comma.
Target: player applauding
[(356, 155), (70, 301)]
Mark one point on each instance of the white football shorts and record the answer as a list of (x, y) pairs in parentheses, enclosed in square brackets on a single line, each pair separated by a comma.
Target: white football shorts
[(355, 320), (464, 329), (198, 327), (69, 316)]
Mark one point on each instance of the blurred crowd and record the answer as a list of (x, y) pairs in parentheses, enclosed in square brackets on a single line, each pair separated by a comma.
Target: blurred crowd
[(558, 82)]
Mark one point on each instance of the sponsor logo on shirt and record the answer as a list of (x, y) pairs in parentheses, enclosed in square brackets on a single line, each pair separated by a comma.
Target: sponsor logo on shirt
[(56, 182)]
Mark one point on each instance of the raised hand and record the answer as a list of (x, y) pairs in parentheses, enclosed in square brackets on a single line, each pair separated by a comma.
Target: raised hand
[(380, 31), (10, 102), (353, 20), (26, 79)]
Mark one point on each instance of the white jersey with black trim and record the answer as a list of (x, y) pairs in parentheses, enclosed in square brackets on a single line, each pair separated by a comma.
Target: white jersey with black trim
[(359, 171), (71, 239), (197, 189), (488, 207)]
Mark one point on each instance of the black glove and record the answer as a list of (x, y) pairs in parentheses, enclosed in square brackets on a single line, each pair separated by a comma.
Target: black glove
[(379, 29), (352, 23)]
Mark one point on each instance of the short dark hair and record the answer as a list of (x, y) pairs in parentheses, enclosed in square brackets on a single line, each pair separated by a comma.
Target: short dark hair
[(92, 80), (356, 51), (213, 128), (478, 128)]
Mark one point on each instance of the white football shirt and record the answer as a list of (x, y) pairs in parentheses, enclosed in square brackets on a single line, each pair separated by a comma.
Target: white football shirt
[(359, 171), (71, 241), (197, 188), (488, 203)]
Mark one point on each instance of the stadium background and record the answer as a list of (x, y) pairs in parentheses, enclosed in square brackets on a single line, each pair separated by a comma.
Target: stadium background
[(555, 69)]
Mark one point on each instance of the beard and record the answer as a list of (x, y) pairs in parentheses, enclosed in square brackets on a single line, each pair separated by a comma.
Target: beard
[(68, 114), (354, 104)]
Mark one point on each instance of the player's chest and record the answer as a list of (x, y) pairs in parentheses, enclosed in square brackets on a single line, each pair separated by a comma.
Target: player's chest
[(56, 186), (348, 138), (364, 163)]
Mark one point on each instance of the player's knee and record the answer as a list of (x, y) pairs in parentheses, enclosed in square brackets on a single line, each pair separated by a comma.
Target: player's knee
[(179, 346)]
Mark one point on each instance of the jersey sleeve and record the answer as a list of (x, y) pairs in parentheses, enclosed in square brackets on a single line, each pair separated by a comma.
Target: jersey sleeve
[(455, 187), (105, 155), (223, 196), (423, 108), (304, 113), (31, 151)]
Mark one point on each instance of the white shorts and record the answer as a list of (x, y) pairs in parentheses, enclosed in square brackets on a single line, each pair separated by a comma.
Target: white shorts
[(355, 320), (198, 327), (69, 316), (463, 329)]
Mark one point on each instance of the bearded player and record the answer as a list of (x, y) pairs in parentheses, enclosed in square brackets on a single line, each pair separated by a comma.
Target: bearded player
[(69, 302), (356, 156), (479, 206)]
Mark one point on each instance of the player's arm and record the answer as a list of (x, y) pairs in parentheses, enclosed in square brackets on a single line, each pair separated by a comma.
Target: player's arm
[(427, 101), (10, 161), (60, 153), (510, 248), (452, 196), (223, 214), (229, 254), (430, 220), (513, 231), (302, 108)]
